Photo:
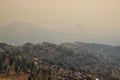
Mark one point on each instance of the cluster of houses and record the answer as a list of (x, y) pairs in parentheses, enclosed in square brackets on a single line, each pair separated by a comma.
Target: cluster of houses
[(76, 74)]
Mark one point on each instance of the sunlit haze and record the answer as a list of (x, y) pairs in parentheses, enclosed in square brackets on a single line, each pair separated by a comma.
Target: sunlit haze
[(57, 21)]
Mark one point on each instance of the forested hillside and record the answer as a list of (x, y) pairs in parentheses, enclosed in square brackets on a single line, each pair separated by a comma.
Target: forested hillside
[(67, 61)]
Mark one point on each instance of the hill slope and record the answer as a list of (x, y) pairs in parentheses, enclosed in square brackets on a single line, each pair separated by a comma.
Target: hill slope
[(97, 59)]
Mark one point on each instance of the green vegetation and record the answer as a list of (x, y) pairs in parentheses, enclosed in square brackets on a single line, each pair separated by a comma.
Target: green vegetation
[(68, 61)]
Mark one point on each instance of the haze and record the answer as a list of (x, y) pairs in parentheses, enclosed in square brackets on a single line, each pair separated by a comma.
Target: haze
[(94, 21)]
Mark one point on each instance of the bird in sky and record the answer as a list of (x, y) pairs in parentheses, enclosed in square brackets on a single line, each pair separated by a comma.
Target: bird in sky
[(80, 27)]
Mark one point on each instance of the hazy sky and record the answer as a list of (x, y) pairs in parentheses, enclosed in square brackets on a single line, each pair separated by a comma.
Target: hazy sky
[(99, 20)]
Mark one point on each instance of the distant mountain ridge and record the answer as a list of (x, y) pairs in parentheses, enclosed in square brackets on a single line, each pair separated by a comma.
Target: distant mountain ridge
[(21, 32)]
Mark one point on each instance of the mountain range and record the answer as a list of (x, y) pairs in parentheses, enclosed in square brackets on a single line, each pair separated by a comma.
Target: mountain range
[(21, 32)]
